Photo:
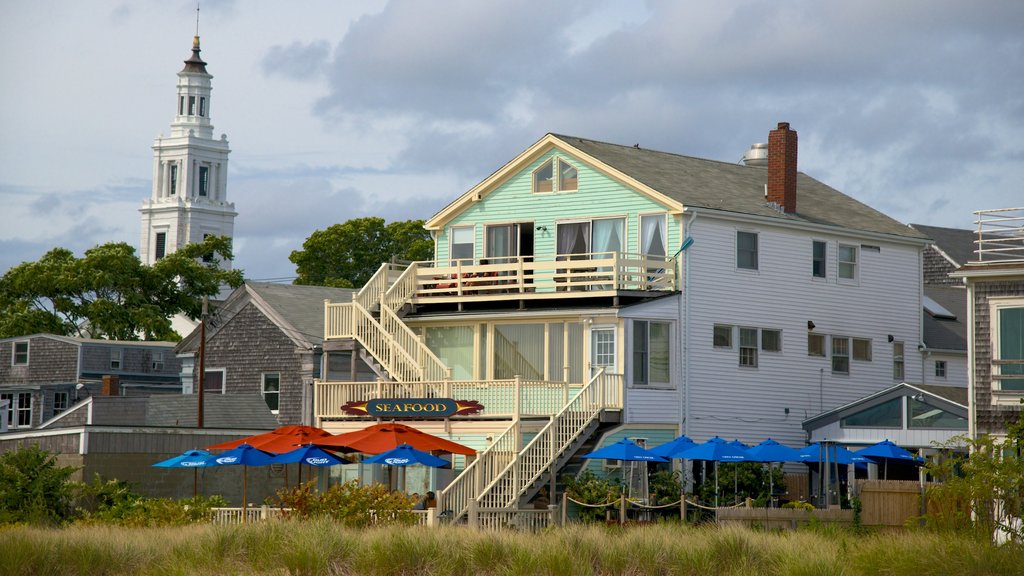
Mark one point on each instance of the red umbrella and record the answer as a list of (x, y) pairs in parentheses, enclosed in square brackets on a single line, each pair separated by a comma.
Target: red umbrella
[(383, 437), (279, 441)]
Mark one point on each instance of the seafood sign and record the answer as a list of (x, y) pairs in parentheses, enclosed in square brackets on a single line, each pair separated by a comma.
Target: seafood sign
[(412, 407)]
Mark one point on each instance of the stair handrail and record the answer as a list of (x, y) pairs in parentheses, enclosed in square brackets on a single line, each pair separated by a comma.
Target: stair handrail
[(402, 290), (430, 367), (382, 346), (369, 295), (458, 494), (515, 479)]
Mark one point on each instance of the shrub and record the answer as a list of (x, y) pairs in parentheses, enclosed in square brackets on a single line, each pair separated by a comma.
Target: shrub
[(349, 503), (587, 488), (114, 502), (33, 489)]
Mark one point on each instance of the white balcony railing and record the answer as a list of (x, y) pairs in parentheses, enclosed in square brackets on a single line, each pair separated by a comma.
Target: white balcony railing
[(1000, 235)]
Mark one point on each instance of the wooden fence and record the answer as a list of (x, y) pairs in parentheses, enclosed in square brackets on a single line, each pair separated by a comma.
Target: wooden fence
[(889, 502)]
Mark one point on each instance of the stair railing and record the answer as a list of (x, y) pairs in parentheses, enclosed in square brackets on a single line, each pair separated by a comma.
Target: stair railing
[(369, 295), (427, 367), (465, 488), (545, 448)]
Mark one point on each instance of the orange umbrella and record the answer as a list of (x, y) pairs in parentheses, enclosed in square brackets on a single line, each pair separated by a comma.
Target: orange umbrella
[(279, 441), (383, 437)]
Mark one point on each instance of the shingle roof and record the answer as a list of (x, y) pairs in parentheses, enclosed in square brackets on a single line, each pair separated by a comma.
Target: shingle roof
[(738, 188), (301, 306), (957, 394), (956, 243), (946, 333), (247, 411)]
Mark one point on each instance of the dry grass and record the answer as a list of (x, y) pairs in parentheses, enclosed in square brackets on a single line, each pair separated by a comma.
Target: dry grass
[(324, 548)]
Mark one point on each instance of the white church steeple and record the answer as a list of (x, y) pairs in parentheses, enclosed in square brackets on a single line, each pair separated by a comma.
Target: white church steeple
[(190, 173)]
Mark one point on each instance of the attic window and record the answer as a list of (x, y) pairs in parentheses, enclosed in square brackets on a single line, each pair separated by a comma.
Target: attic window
[(544, 177)]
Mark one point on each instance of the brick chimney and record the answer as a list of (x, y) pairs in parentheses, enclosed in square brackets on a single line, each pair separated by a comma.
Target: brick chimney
[(111, 386), (782, 168)]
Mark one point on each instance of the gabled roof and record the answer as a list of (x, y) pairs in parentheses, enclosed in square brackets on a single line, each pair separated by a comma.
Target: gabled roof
[(684, 183), (952, 399), (956, 244), (78, 341), (297, 310), (238, 411), (940, 332)]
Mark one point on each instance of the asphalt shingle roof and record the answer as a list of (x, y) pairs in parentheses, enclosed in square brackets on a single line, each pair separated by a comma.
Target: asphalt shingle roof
[(957, 243), (711, 184), (301, 306), (946, 333)]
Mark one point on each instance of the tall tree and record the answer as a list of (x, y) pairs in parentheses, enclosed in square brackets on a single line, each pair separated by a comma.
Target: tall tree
[(346, 255), (109, 293)]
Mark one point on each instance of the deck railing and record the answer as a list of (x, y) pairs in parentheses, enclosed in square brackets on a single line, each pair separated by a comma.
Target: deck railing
[(462, 492), (1000, 235), (500, 398)]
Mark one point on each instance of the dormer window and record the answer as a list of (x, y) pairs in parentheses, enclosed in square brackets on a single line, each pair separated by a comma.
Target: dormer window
[(544, 177)]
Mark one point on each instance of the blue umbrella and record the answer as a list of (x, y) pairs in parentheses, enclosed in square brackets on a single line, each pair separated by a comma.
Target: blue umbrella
[(311, 455), (190, 459), (625, 449), (888, 451), (834, 455), (668, 449), (404, 455), (714, 450), (771, 451), (193, 459), (245, 455)]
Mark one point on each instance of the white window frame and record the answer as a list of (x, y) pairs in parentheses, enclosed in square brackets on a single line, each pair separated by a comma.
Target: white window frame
[(264, 392), (223, 380), (646, 381), (779, 332), (899, 361), (451, 244), (853, 349), (157, 361), (727, 328), (823, 260), (836, 356), (16, 409), (1000, 396), (116, 359), (757, 250), (820, 338), (15, 353), (748, 348), (941, 369), (854, 263)]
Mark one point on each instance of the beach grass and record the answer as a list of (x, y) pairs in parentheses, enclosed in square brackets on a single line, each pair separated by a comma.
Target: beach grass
[(323, 547)]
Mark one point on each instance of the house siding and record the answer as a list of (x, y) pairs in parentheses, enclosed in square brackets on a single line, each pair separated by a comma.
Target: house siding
[(247, 346), (956, 369), (49, 361), (789, 386), (989, 419), (937, 268), (645, 404), (597, 196)]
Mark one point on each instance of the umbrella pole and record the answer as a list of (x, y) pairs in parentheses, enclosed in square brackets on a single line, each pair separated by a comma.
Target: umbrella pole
[(245, 503), (195, 482), (771, 485)]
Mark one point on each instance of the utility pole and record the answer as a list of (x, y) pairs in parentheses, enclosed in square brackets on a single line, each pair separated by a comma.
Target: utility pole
[(202, 362)]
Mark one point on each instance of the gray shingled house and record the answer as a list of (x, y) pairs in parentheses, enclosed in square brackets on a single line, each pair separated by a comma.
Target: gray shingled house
[(264, 339)]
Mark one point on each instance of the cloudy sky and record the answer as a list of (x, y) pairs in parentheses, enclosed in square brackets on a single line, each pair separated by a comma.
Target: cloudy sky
[(336, 110)]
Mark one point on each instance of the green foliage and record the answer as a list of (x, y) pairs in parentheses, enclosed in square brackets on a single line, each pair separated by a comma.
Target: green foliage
[(976, 492), (588, 488), (347, 255), (799, 506), (33, 489), (665, 487), (109, 293), (349, 504), (737, 481), (112, 502)]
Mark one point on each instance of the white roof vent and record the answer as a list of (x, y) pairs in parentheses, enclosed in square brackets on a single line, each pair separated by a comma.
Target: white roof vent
[(757, 155)]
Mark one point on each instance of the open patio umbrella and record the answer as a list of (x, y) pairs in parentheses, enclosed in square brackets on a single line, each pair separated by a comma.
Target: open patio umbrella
[(886, 450), (625, 449), (193, 459), (714, 450), (771, 451), (386, 436), (245, 455), (311, 456), (831, 455), (405, 455), (278, 441), (669, 448)]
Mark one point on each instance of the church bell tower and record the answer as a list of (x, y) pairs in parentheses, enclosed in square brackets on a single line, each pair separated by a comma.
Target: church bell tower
[(190, 173)]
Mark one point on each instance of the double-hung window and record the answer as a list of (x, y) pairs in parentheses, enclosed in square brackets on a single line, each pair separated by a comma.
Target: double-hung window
[(816, 345), (272, 390), (60, 402), (847, 262), (19, 409), (862, 349), (840, 355), (463, 239), (651, 353), (818, 252), (748, 347), (20, 353), (722, 337), (940, 369), (116, 356), (1008, 345), (897, 361), (746, 250)]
